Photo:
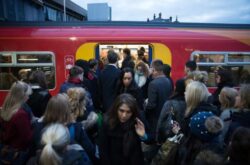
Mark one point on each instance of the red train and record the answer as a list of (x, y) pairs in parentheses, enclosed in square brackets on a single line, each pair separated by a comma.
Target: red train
[(53, 47)]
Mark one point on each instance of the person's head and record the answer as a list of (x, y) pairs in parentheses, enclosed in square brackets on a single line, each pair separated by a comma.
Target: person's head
[(157, 68), (179, 88), (112, 57), (205, 126), (55, 139), (126, 53), (190, 66), (166, 70), (124, 109), (18, 94), (84, 65), (197, 75), (196, 92), (238, 149), (140, 54), (142, 49), (77, 101), (224, 76), (244, 96), (58, 110), (141, 67), (76, 72), (93, 64), (23, 75), (127, 77), (38, 77), (227, 97)]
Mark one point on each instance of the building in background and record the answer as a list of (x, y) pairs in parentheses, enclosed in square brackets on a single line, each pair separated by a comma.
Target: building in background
[(99, 12), (40, 10), (160, 19)]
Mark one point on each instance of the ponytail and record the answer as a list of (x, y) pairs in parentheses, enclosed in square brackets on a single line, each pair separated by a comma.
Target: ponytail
[(49, 156), (55, 139)]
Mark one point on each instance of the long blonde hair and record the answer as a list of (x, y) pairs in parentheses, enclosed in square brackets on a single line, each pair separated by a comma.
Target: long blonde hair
[(17, 95), (196, 92), (77, 101), (58, 110), (55, 138)]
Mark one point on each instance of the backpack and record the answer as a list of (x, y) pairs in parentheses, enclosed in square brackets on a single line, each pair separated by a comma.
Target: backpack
[(80, 157)]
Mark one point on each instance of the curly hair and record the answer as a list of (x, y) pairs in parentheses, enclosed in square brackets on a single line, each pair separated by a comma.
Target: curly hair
[(77, 101)]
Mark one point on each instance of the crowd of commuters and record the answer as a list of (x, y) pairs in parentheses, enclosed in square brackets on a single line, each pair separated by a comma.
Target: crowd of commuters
[(133, 115)]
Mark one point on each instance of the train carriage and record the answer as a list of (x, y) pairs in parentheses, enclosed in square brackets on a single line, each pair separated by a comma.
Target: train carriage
[(53, 47)]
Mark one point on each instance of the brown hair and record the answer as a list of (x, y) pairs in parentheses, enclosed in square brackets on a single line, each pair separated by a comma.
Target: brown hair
[(127, 99), (58, 110), (144, 67), (245, 96)]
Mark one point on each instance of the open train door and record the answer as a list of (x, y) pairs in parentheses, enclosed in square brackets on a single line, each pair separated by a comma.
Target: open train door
[(98, 50)]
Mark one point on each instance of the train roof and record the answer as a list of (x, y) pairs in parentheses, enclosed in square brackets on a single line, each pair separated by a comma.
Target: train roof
[(126, 24)]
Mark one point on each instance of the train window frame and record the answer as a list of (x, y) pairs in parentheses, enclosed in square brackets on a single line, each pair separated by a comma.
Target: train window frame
[(14, 63), (233, 65)]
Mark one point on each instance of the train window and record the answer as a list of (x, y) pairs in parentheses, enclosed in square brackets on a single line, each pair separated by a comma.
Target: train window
[(102, 50), (18, 65), (239, 57), (5, 58), (238, 63)]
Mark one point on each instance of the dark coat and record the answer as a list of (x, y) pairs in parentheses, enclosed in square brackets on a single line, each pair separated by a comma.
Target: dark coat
[(177, 108), (107, 84), (135, 91), (239, 119), (203, 106), (38, 101), (159, 91), (112, 145)]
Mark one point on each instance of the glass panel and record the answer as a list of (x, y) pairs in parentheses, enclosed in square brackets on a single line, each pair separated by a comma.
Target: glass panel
[(34, 58), (103, 50), (240, 74), (239, 58), (5, 58), (8, 75), (209, 58)]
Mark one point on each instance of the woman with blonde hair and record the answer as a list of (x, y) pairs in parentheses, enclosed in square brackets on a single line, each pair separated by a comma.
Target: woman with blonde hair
[(15, 120), (196, 97), (56, 150), (58, 111)]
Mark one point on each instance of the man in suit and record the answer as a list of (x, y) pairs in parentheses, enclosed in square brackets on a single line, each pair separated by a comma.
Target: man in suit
[(108, 81), (159, 90)]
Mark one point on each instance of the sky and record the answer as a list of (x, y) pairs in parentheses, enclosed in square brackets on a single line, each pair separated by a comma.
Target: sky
[(203, 11)]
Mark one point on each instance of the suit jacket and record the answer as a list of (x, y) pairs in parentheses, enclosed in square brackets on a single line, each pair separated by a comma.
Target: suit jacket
[(159, 91), (107, 85)]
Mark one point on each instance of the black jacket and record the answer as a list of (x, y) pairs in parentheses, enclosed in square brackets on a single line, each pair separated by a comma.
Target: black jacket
[(112, 144), (38, 101), (107, 84)]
